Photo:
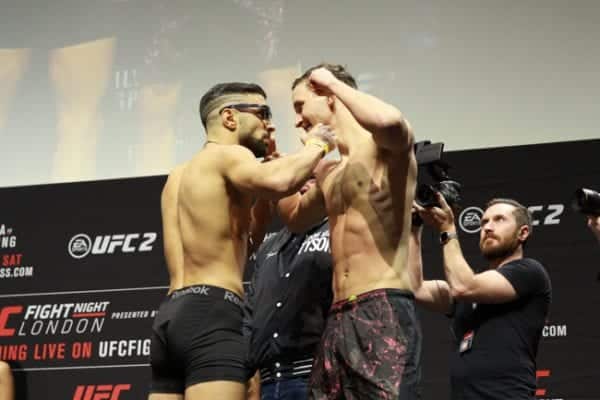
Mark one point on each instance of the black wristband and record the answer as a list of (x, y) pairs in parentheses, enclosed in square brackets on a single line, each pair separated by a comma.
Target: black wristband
[(445, 237)]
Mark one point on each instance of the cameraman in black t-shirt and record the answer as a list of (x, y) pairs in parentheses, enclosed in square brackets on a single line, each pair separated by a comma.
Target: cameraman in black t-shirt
[(498, 315)]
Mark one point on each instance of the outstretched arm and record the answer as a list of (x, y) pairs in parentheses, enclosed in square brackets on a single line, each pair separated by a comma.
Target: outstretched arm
[(391, 131), (281, 177), (485, 287), (432, 294)]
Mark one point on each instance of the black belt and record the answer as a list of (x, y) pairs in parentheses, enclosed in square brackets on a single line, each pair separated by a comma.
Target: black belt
[(280, 370)]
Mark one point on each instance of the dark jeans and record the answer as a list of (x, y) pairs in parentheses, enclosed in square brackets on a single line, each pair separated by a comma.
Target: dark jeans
[(287, 389)]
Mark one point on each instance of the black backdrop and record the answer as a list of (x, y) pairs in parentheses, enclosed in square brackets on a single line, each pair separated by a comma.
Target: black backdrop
[(81, 275)]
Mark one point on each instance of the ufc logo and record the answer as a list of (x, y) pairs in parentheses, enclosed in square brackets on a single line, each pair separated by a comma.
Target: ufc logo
[(5, 313), (542, 373), (100, 392), (128, 243)]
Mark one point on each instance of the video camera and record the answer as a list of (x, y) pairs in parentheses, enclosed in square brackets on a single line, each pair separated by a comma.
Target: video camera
[(429, 157), (586, 201)]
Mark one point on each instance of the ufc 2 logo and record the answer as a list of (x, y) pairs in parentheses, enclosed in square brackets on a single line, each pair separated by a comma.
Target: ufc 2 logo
[(100, 392), (5, 313), (109, 243), (552, 211), (81, 245)]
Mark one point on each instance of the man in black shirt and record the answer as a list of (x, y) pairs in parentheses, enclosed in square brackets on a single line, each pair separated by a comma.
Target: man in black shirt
[(498, 315), (286, 308)]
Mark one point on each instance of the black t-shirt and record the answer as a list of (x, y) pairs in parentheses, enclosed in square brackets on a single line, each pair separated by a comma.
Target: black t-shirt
[(500, 363)]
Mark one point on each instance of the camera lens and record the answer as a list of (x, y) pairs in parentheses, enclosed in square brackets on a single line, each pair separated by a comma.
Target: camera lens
[(586, 201), (425, 196)]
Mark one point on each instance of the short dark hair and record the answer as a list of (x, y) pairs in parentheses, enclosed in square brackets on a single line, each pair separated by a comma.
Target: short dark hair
[(210, 99), (339, 71), (522, 214)]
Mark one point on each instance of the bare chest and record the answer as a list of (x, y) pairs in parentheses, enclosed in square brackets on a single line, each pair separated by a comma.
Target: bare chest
[(353, 184)]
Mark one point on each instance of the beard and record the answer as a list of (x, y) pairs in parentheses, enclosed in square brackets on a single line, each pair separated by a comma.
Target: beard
[(257, 147), (501, 250)]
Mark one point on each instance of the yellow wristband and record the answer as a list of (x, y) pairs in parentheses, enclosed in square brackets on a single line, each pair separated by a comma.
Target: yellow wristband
[(319, 143)]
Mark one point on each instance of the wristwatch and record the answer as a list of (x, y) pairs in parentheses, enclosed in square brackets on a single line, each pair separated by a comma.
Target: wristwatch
[(445, 237)]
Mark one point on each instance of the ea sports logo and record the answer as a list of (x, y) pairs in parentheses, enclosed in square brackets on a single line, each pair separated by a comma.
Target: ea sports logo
[(80, 245), (470, 219)]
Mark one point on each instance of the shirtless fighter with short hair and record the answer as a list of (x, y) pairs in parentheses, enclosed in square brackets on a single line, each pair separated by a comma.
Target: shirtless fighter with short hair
[(198, 350), (371, 345)]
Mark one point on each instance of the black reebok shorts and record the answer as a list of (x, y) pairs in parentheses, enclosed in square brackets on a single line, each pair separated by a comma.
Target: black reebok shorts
[(370, 349), (197, 337)]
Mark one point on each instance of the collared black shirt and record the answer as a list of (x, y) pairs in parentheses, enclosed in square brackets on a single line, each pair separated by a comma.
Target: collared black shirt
[(289, 297)]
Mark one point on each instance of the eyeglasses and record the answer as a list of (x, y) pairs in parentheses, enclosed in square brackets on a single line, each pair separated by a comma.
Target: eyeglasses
[(262, 111)]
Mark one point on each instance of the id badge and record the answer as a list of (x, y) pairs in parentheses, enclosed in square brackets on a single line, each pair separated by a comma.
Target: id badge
[(467, 342)]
